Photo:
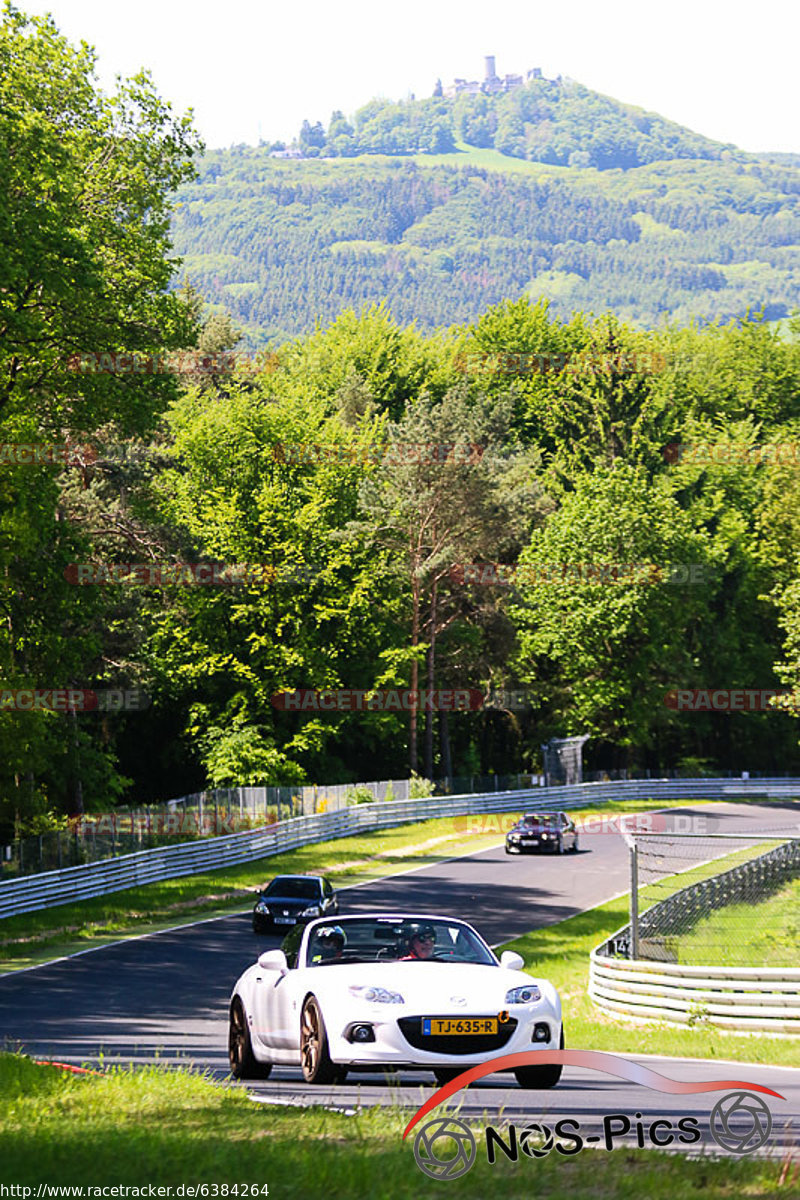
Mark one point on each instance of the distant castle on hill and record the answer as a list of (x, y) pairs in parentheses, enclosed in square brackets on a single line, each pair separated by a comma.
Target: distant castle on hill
[(490, 85)]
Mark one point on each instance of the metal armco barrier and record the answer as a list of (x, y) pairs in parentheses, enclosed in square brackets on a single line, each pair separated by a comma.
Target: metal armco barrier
[(761, 999), (33, 892)]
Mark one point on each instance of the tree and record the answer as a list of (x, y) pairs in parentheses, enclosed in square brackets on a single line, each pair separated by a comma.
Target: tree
[(438, 505), (312, 135), (86, 210), (84, 219), (603, 637)]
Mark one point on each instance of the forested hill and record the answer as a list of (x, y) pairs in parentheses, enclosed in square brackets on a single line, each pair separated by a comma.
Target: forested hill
[(283, 245), (554, 121)]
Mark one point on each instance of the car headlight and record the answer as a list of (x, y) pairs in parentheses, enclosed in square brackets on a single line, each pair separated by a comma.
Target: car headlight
[(544, 837), (376, 995), (513, 837), (262, 906), (311, 911), (526, 994)]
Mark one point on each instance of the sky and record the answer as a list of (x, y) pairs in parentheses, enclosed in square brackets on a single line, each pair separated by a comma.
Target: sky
[(254, 70)]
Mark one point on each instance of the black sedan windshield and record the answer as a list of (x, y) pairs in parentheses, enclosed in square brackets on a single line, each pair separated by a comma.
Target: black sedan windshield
[(294, 889)]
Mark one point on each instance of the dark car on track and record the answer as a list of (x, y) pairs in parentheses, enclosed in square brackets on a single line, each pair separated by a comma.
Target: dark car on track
[(553, 831), (293, 899)]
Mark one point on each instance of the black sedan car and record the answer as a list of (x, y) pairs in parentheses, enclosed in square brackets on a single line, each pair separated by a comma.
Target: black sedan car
[(293, 899), (553, 831)]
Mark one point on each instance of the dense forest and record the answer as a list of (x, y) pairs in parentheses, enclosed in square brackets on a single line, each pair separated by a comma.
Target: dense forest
[(636, 492), (284, 245)]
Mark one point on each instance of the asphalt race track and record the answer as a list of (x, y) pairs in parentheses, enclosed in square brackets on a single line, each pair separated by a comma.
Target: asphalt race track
[(164, 997)]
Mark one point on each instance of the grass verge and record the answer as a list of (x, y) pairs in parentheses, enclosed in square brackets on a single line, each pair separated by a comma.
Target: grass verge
[(169, 1128), (767, 933), (561, 953), (34, 938)]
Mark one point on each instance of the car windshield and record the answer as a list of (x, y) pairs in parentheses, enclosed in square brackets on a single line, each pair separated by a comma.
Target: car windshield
[(407, 939), (294, 889), (546, 819)]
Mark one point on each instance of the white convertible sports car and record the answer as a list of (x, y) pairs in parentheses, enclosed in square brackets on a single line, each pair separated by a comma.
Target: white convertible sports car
[(388, 991)]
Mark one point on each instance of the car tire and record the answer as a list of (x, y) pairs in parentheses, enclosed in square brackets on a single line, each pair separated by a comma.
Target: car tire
[(446, 1074), (243, 1063), (540, 1077), (560, 847), (575, 846), (315, 1059)]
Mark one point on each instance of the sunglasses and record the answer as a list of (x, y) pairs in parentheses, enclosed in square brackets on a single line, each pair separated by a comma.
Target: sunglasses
[(424, 937)]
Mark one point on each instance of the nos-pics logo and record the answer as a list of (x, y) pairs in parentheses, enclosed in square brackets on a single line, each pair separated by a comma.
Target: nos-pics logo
[(446, 1148)]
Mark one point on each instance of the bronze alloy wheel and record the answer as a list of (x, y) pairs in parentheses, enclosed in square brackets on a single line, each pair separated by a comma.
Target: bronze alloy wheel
[(243, 1063), (314, 1057)]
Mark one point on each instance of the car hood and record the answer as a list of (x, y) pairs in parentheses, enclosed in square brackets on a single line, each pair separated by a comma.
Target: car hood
[(536, 828), (289, 901), (426, 986)]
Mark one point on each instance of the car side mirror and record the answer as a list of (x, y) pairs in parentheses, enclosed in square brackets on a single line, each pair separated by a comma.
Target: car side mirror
[(511, 960), (273, 960)]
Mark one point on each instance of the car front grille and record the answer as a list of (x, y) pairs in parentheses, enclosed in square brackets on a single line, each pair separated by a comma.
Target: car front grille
[(462, 1043)]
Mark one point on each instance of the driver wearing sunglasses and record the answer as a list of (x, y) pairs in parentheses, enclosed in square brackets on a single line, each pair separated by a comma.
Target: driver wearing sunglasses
[(421, 944)]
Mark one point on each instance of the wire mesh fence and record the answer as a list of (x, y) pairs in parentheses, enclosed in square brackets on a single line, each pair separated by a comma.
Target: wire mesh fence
[(713, 900), (96, 836)]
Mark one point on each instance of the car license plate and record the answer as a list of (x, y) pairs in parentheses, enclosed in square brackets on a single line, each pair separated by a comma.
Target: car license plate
[(453, 1026), (284, 920)]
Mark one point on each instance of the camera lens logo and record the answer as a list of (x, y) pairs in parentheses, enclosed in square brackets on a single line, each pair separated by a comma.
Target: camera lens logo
[(445, 1148), (536, 1140), (740, 1122)]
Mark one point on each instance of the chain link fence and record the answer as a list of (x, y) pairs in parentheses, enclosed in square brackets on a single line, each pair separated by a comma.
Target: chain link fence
[(713, 900), (97, 836), (100, 835)]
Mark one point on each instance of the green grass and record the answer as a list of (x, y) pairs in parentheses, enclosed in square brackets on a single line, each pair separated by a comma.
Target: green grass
[(741, 935), (490, 159), (561, 952), (169, 1128), (34, 938)]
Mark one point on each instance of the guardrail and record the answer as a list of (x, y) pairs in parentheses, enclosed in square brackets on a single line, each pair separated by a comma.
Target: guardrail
[(761, 999), (54, 888)]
